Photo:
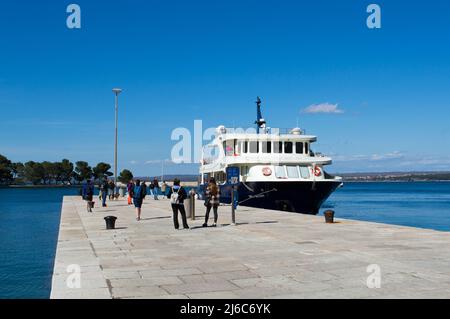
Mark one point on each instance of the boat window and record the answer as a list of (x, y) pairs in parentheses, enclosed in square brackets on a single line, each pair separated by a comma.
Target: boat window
[(292, 171), (277, 147), (245, 148), (266, 147), (288, 147), (229, 147), (307, 148), (253, 146), (299, 147), (220, 177), (244, 170), (238, 147), (280, 172), (304, 171)]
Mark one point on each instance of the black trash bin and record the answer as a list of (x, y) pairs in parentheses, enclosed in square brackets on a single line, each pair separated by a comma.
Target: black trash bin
[(329, 216), (110, 222)]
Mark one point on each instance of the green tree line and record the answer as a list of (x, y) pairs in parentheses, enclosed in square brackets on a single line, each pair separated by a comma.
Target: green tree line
[(51, 173)]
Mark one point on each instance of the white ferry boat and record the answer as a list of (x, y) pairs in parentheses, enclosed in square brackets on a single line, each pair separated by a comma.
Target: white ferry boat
[(277, 169)]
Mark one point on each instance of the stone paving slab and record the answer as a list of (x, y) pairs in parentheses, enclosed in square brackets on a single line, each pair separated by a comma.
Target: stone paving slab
[(268, 254)]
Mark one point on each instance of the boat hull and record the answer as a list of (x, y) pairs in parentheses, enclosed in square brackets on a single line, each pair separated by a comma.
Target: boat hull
[(304, 197)]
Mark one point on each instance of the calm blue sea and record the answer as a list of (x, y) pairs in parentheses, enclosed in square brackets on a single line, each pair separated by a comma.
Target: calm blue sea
[(423, 204), (29, 221)]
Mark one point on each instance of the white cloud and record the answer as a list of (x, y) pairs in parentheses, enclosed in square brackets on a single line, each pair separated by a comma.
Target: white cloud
[(371, 157), (323, 108), (166, 161), (388, 156)]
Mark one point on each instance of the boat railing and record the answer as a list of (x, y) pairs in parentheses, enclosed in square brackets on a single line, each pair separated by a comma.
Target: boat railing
[(317, 154), (268, 130)]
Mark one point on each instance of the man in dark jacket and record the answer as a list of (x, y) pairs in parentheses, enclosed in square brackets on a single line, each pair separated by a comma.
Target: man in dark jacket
[(104, 187), (177, 195), (88, 194)]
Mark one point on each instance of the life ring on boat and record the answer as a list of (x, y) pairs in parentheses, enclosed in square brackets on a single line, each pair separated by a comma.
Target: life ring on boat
[(267, 171), (317, 171)]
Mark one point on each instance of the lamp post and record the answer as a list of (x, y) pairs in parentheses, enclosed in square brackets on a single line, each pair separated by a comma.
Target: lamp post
[(116, 91)]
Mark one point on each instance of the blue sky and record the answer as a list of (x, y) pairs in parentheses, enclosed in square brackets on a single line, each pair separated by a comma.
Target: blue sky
[(179, 61)]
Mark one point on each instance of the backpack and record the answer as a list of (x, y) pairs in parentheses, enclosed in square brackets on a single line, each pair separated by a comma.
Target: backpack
[(137, 192), (174, 197)]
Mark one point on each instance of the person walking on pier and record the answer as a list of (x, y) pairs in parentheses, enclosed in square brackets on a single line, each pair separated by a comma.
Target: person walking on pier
[(212, 201), (138, 197), (155, 188), (104, 189), (177, 195), (111, 190), (130, 186), (164, 189), (88, 195), (151, 188)]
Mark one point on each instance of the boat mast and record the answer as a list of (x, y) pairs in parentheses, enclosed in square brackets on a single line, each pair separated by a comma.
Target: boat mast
[(260, 122)]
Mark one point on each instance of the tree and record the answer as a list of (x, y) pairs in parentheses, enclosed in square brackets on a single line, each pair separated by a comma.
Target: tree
[(101, 171), (48, 171), (125, 176), (6, 173), (82, 171), (34, 172), (66, 170)]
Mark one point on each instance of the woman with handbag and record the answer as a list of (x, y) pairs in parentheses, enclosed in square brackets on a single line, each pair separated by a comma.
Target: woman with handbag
[(212, 201)]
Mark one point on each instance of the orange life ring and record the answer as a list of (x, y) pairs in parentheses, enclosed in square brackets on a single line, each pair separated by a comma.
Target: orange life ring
[(317, 171), (267, 171)]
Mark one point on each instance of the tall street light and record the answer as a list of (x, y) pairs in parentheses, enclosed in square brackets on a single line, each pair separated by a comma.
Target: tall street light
[(116, 91)]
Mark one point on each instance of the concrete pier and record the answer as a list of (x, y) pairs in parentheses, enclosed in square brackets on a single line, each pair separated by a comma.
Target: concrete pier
[(269, 254)]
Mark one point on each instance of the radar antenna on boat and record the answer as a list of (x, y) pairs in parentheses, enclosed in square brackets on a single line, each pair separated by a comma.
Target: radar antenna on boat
[(260, 122)]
